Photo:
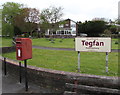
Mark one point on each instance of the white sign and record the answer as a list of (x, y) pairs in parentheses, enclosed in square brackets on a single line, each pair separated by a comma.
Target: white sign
[(93, 44)]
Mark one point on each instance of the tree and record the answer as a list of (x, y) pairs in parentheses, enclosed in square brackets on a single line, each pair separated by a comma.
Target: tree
[(10, 11), (113, 29), (27, 20), (51, 14), (92, 28), (17, 20), (49, 17)]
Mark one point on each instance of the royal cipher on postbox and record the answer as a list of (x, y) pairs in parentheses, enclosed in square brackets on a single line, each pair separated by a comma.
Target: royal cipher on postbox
[(23, 48)]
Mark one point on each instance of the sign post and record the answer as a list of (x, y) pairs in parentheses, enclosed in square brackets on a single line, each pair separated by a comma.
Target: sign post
[(107, 62), (93, 44), (78, 61)]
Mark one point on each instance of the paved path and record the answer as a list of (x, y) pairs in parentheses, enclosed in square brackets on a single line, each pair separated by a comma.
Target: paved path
[(66, 49), (11, 84)]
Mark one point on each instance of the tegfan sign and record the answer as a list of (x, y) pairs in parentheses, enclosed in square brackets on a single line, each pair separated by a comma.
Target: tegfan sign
[(93, 44)]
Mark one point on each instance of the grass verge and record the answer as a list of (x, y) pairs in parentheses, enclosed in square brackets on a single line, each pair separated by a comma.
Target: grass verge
[(91, 62)]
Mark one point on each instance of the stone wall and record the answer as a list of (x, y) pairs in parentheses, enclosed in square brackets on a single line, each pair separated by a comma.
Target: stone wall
[(7, 49), (56, 80)]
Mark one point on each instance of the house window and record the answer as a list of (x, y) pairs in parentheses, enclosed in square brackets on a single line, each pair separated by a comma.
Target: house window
[(73, 32), (67, 25), (65, 32), (69, 32), (54, 32), (62, 32), (58, 32)]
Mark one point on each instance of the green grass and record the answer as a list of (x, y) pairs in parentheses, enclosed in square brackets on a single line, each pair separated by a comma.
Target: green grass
[(58, 43), (61, 43), (6, 42), (91, 62), (66, 43), (115, 46)]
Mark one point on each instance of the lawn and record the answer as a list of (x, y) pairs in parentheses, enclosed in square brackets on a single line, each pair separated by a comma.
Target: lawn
[(58, 43), (61, 43), (6, 42), (114, 44), (64, 43), (91, 62)]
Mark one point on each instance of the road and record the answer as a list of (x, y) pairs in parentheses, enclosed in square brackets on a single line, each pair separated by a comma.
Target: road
[(66, 49)]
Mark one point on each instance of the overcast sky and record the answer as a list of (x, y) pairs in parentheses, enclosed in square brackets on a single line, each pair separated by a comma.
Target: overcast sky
[(77, 10)]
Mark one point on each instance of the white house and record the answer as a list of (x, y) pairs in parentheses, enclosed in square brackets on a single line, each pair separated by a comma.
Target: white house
[(69, 27)]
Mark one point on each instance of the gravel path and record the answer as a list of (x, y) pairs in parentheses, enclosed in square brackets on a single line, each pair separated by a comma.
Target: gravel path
[(66, 49)]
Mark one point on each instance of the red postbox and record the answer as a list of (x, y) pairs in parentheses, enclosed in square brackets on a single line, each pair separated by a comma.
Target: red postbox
[(23, 48)]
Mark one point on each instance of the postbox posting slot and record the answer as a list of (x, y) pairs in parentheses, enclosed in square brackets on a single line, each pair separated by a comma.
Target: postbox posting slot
[(18, 42)]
